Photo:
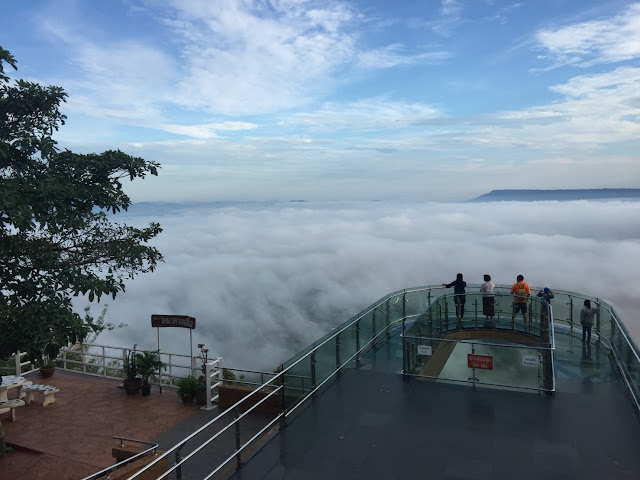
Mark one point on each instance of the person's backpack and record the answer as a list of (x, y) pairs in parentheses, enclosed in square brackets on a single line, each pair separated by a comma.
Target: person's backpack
[(522, 293)]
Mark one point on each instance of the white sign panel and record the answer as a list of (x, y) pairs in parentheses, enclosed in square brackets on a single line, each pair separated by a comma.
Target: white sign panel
[(424, 349), (529, 360)]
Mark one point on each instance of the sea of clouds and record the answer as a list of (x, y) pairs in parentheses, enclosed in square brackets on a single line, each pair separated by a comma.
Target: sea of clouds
[(264, 280)]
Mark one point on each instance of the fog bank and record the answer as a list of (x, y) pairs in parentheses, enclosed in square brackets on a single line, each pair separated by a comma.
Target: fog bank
[(265, 280)]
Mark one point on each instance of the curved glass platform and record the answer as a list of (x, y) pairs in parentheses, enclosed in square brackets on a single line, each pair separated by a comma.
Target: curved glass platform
[(407, 388)]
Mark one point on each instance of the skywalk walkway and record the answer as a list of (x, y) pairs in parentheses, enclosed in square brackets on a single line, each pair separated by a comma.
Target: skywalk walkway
[(372, 424)]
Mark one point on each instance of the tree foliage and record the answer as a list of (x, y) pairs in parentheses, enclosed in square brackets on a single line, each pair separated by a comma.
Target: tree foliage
[(57, 236)]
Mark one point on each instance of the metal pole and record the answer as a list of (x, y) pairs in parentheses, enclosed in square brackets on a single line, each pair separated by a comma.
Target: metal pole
[(160, 357), (475, 301), (238, 456), (358, 340), (598, 317), (179, 468), (313, 370), (193, 368), (404, 357)]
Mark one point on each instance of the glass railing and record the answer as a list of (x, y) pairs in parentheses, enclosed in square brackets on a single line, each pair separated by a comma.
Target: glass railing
[(608, 331), (449, 343), (426, 317)]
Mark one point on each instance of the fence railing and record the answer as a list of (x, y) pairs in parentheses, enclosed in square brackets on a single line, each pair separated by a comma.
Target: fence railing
[(107, 361)]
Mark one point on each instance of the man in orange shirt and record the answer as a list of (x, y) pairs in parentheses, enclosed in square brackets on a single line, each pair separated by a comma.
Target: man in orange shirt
[(522, 293)]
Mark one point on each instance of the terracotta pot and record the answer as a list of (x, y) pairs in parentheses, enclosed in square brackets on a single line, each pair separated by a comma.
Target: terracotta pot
[(187, 398), (47, 371), (132, 387)]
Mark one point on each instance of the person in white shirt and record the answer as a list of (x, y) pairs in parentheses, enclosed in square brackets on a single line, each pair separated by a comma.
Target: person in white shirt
[(586, 320), (488, 300)]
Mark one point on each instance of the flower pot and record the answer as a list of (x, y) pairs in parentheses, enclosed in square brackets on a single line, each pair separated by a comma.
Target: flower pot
[(201, 397), (47, 371), (187, 399), (145, 389), (132, 387)]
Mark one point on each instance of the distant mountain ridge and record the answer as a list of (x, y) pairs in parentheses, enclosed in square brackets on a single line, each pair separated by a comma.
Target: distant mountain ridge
[(559, 195)]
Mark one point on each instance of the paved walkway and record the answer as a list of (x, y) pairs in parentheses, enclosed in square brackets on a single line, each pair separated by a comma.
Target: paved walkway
[(72, 438), (373, 425)]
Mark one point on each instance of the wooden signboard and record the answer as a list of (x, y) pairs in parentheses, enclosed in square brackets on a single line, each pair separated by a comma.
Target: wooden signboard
[(183, 321)]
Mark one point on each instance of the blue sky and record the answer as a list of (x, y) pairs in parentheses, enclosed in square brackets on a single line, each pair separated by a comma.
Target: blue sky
[(324, 100)]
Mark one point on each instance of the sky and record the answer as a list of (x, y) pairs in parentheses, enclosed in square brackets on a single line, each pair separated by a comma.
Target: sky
[(343, 100), (266, 279)]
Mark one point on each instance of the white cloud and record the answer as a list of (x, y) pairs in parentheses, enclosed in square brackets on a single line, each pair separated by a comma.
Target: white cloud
[(394, 55), (266, 280), (207, 130), (599, 41), (379, 112), (596, 110)]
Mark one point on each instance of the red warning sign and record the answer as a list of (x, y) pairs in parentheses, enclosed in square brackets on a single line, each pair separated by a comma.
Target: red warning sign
[(484, 362)]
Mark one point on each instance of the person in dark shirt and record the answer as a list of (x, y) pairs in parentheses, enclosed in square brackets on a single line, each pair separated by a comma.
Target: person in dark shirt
[(459, 295)]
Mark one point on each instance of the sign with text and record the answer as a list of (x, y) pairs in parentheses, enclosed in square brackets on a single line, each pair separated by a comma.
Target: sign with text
[(529, 360), (183, 321), (424, 349), (483, 362)]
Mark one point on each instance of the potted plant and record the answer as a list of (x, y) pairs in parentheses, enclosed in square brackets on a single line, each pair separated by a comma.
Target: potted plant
[(132, 379), (47, 368), (187, 387), (149, 364)]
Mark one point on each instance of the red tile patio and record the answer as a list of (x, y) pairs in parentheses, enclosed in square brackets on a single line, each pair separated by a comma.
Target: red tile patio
[(72, 438)]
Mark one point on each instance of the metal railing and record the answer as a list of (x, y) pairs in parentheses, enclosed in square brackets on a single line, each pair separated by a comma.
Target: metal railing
[(307, 373), (152, 449)]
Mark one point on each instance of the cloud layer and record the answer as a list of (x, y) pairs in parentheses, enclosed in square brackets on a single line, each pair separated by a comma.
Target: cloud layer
[(264, 281)]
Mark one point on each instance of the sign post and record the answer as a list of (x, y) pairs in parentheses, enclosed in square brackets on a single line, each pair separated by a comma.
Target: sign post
[(180, 321)]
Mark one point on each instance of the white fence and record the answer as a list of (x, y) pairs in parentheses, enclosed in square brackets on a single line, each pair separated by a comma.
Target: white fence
[(107, 361)]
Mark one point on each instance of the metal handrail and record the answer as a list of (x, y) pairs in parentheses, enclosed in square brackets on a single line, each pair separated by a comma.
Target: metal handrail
[(122, 463), (235, 406)]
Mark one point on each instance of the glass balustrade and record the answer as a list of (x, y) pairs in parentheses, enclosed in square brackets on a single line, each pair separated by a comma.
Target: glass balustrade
[(438, 345)]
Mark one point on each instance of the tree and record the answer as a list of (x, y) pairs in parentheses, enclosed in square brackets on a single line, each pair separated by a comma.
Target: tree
[(57, 236)]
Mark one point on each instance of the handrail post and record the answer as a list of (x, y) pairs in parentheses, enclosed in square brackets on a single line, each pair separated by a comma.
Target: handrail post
[(404, 305), (446, 315), (238, 455), (570, 314), (313, 370), (358, 342), (338, 352), (598, 317), (179, 466), (404, 357), (207, 382), (475, 302), (283, 420), (373, 319)]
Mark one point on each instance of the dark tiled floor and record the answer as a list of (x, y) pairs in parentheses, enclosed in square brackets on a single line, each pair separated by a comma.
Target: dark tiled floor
[(373, 425), (72, 438)]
